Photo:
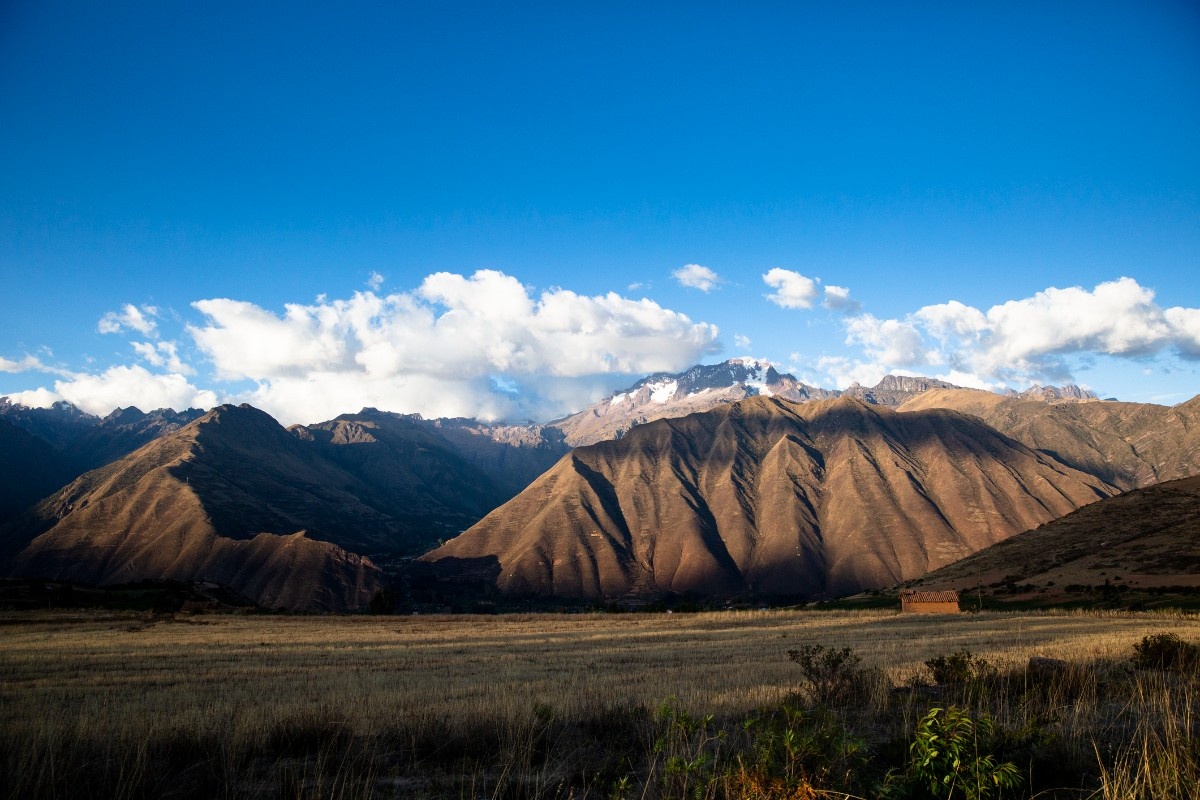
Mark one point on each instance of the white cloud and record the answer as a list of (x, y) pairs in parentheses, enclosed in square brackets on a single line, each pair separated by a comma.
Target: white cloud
[(375, 281), (122, 386), (25, 364), (837, 298), (132, 317), (436, 350), (1027, 340), (1185, 330), (889, 341), (34, 398), (741, 342), (696, 276), (164, 355), (845, 371), (792, 290)]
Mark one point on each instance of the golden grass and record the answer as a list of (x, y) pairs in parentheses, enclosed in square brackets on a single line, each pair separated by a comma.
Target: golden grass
[(238, 680)]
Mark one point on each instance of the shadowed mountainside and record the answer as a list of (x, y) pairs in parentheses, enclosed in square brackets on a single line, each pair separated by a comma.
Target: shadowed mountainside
[(223, 498), (769, 497), (31, 469), (144, 518), (1145, 538), (1126, 444)]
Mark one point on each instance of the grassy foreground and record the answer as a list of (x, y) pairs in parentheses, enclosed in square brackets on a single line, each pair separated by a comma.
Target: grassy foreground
[(598, 706)]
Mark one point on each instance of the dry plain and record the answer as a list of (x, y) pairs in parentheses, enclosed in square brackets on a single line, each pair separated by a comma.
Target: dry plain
[(72, 678)]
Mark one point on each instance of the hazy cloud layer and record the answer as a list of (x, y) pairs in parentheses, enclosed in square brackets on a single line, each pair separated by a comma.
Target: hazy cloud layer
[(1021, 341)]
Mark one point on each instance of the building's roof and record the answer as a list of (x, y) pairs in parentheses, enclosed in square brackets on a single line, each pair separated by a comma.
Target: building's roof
[(914, 596)]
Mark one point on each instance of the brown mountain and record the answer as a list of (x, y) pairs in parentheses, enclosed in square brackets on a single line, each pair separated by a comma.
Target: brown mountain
[(1126, 444), (207, 502), (224, 499), (769, 497), (122, 432), (1144, 539)]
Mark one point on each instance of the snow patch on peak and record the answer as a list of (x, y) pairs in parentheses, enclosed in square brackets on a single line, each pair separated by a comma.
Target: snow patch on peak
[(662, 392), (617, 398)]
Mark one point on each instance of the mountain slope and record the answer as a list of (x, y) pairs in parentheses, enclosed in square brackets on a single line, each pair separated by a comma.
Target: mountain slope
[(152, 515), (122, 432), (1126, 444), (31, 469), (224, 497), (769, 497), (1145, 538)]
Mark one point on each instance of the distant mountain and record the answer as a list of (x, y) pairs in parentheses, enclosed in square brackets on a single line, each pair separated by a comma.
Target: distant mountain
[(122, 432), (512, 455), (404, 466), (767, 497), (892, 390), (1144, 539), (1055, 394), (664, 395), (1128, 445), (59, 425)]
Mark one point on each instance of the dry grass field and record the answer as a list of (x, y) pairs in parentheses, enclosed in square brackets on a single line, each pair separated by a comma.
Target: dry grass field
[(624, 705)]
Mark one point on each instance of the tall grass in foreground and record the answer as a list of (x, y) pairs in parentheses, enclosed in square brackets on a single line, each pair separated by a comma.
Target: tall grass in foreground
[(628, 706)]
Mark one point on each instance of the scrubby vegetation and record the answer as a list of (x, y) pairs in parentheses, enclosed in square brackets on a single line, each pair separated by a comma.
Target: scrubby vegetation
[(752, 705)]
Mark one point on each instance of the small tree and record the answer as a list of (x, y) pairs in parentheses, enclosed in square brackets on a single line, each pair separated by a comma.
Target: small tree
[(951, 758), (830, 674)]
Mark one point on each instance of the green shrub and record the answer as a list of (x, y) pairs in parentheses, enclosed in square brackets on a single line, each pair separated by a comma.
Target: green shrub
[(830, 675), (1166, 651), (957, 668), (951, 759)]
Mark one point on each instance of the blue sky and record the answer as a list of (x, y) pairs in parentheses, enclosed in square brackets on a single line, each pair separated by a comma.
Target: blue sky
[(460, 208)]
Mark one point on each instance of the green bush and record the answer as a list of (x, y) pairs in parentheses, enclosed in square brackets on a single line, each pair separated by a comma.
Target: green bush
[(957, 668), (830, 675), (951, 759), (1166, 651)]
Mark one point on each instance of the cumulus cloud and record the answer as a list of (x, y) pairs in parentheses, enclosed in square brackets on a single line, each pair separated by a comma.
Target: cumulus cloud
[(131, 317), (741, 342), (696, 276), (121, 386), (1027, 340), (34, 398), (375, 281), (792, 290), (837, 298), (889, 341), (445, 349)]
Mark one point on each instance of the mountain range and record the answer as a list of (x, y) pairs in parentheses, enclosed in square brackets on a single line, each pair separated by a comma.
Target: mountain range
[(721, 480), (769, 497)]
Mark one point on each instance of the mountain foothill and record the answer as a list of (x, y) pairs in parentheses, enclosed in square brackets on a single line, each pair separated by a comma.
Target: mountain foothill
[(721, 482)]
